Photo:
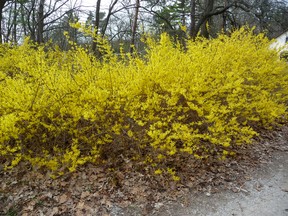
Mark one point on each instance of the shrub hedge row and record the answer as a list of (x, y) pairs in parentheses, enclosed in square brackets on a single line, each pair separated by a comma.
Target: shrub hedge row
[(61, 109)]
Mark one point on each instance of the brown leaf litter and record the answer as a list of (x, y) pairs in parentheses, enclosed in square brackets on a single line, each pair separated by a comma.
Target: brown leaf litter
[(100, 191)]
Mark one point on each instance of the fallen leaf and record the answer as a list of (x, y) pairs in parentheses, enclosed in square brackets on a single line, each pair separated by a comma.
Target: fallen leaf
[(80, 205), (63, 183), (55, 211), (85, 194), (120, 175), (136, 190), (93, 177), (124, 203), (84, 176), (158, 205), (105, 201), (49, 195), (96, 194), (79, 212), (30, 206), (41, 213), (63, 198)]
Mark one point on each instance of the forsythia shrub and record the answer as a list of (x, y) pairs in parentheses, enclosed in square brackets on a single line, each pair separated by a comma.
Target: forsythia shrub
[(63, 109), (284, 55)]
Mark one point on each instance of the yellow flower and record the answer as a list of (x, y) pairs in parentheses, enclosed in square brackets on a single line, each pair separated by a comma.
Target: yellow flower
[(158, 172)]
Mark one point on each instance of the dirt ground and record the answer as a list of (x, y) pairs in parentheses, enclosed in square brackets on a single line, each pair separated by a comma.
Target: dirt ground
[(256, 184)]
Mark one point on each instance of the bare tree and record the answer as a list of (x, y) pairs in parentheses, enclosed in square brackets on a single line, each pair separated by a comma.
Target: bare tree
[(107, 19), (211, 10), (36, 17)]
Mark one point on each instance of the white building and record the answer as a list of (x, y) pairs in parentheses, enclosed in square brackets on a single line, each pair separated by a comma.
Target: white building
[(281, 42)]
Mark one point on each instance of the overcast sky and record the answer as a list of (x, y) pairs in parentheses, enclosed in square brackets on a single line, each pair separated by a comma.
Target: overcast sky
[(89, 5), (92, 3)]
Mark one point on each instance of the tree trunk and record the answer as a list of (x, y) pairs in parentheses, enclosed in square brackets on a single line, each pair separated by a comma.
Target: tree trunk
[(134, 27), (108, 17), (209, 4), (192, 32), (97, 22), (14, 34), (23, 21), (40, 22), (207, 14), (2, 4), (183, 14), (225, 19)]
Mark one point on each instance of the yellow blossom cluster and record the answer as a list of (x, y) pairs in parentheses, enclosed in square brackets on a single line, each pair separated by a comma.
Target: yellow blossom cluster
[(62, 109)]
